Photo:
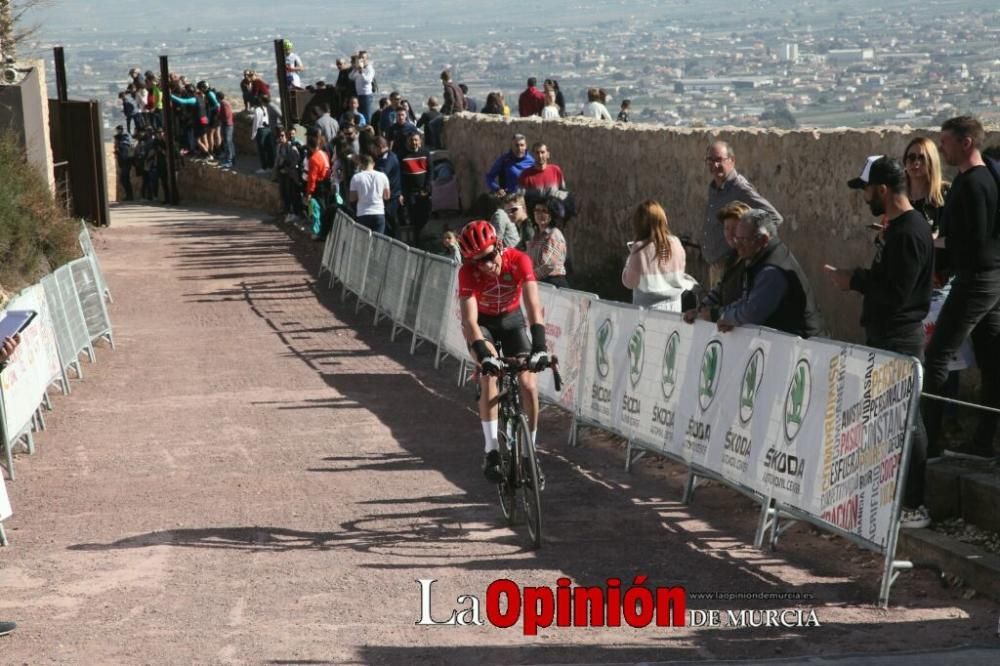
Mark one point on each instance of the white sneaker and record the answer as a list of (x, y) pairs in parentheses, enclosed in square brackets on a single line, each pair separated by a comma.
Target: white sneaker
[(915, 519)]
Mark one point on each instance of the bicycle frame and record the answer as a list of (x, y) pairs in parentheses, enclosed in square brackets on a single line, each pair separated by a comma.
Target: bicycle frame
[(521, 474)]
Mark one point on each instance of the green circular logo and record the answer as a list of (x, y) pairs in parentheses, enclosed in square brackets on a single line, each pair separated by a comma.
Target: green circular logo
[(668, 378), (797, 399)]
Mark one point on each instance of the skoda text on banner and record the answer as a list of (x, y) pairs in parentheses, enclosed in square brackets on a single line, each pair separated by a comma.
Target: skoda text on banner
[(605, 374), (748, 388), (710, 368), (786, 463), (662, 348)]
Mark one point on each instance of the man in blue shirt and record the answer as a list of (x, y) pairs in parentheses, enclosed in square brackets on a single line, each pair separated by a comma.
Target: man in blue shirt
[(502, 177)]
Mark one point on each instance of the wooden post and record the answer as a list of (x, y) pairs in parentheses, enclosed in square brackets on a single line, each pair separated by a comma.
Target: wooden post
[(168, 126), (62, 92)]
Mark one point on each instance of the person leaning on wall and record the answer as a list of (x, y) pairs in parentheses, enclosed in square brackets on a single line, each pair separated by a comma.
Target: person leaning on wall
[(729, 287)]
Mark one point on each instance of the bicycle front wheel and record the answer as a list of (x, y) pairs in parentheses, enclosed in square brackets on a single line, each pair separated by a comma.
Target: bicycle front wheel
[(531, 490), (506, 487)]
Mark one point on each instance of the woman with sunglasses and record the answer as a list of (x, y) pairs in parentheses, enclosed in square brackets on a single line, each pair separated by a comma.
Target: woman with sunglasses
[(924, 186), (547, 248), (491, 281)]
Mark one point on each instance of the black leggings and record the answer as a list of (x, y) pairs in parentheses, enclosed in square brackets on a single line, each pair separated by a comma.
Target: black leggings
[(509, 330)]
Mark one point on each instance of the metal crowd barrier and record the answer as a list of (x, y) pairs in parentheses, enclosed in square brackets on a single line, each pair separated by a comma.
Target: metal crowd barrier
[(71, 315), (87, 245)]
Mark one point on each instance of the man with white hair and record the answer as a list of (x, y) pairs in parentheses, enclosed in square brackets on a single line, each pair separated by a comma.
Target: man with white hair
[(775, 290)]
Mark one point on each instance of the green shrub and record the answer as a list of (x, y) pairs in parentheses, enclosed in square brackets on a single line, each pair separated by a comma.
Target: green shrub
[(36, 234)]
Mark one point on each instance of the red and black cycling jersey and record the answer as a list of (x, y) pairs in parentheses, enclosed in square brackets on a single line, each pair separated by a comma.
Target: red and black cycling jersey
[(497, 294)]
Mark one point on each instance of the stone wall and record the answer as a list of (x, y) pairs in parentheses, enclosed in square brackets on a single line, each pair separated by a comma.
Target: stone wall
[(207, 183), (245, 147), (613, 167)]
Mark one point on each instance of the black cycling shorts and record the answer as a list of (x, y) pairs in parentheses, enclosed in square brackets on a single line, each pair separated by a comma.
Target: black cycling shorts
[(508, 330)]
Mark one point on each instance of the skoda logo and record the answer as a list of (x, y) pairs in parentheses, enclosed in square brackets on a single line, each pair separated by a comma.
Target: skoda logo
[(753, 374), (636, 354), (604, 334), (668, 380), (711, 369), (797, 398)]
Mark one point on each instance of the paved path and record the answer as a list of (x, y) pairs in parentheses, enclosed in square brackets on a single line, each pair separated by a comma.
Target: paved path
[(258, 475)]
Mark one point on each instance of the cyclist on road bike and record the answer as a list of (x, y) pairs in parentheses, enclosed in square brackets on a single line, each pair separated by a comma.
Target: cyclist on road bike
[(491, 282)]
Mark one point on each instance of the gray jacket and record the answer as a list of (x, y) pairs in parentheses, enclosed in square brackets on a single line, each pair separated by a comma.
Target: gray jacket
[(329, 127), (736, 188), (506, 230)]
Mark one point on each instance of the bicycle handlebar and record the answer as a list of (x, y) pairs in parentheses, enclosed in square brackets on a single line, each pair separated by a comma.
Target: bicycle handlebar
[(519, 363)]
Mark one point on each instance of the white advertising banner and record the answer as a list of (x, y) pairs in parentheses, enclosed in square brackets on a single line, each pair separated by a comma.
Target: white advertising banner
[(5, 510), (748, 388), (605, 374), (453, 340), (867, 409), (566, 313), (786, 465), (659, 352), (34, 365), (710, 371)]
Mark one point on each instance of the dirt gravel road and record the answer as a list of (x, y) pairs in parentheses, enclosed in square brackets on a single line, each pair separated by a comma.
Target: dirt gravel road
[(257, 475)]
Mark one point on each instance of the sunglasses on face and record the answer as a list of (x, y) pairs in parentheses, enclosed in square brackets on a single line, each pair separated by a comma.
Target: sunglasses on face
[(487, 258), (914, 157)]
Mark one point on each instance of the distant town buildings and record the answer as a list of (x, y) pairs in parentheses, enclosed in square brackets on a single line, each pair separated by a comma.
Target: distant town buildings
[(906, 67)]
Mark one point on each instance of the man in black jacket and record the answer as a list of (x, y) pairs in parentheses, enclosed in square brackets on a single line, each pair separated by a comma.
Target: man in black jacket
[(775, 290), (972, 215), (897, 295)]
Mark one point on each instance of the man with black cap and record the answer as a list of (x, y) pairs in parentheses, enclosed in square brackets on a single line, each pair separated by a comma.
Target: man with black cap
[(897, 295)]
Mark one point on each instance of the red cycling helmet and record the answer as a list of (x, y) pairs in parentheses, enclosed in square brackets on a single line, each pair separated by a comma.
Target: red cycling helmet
[(476, 237)]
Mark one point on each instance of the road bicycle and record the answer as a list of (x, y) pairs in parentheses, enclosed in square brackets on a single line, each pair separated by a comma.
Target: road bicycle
[(521, 478)]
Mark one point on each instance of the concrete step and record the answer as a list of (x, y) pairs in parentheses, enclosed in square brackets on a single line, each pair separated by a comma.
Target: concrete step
[(966, 489), (977, 568), (969, 490)]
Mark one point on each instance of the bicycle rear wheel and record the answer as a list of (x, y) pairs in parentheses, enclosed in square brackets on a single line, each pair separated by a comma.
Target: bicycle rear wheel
[(506, 487), (531, 492)]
